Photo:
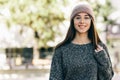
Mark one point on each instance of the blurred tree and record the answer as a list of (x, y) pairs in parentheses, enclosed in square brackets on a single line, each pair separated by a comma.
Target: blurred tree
[(43, 16), (102, 8)]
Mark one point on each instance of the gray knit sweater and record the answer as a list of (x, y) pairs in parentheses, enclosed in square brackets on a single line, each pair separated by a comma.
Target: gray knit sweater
[(80, 62)]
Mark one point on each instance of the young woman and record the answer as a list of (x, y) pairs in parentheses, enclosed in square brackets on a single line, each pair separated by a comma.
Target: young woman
[(82, 55)]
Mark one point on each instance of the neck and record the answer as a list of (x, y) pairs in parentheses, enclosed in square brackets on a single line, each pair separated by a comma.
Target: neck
[(81, 39)]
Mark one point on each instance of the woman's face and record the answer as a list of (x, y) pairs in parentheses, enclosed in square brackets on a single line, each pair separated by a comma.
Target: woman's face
[(82, 22)]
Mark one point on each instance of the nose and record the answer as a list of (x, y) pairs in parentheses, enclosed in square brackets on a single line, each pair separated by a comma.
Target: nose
[(82, 21)]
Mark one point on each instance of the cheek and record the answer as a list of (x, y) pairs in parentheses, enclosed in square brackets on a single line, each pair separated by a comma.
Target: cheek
[(89, 25), (76, 23)]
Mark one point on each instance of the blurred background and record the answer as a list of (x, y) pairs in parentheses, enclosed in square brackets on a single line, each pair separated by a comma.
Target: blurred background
[(30, 29)]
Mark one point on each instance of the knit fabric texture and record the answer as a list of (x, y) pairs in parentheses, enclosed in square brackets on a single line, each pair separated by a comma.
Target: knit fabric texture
[(82, 7), (80, 62)]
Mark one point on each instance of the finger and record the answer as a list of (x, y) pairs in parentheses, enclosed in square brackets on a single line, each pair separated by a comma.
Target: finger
[(100, 47), (96, 50)]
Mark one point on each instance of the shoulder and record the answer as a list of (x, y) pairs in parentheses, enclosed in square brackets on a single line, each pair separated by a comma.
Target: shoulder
[(59, 51), (63, 47)]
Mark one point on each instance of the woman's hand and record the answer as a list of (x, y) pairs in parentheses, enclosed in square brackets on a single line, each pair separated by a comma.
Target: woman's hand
[(99, 48)]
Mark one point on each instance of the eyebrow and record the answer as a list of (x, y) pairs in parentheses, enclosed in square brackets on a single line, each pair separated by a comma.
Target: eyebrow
[(80, 15)]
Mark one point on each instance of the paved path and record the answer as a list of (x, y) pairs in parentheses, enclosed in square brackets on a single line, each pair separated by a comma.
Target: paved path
[(33, 75)]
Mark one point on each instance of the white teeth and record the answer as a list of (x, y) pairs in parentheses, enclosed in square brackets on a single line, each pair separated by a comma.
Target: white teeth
[(81, 26)]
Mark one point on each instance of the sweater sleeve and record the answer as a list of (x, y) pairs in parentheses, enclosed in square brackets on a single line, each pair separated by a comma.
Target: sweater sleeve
[(56, 72), (105, 71)]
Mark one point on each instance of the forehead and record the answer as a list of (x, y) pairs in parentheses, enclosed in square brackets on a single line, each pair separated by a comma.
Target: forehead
[(82, 14)]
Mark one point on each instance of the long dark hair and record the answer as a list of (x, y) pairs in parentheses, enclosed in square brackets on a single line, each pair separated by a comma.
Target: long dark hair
[(92, 34)]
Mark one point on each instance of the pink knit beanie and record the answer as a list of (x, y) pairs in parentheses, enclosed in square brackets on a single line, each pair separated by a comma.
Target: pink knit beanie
[(82, 7)]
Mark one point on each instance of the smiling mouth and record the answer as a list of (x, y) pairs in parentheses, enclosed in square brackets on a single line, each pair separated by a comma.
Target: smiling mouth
[(81, 26)]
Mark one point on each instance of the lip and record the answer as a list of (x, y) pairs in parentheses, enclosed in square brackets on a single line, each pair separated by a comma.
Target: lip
[(81, 26)]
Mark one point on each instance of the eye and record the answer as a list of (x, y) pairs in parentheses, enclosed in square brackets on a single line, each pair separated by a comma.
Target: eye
[(77, 17), (87, 17)]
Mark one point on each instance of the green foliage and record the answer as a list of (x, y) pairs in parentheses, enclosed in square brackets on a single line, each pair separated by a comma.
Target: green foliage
[(41, 15), (102, 9), (44, 16)]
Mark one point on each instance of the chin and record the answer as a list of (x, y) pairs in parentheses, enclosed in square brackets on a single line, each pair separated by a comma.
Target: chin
[(82, 31)]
